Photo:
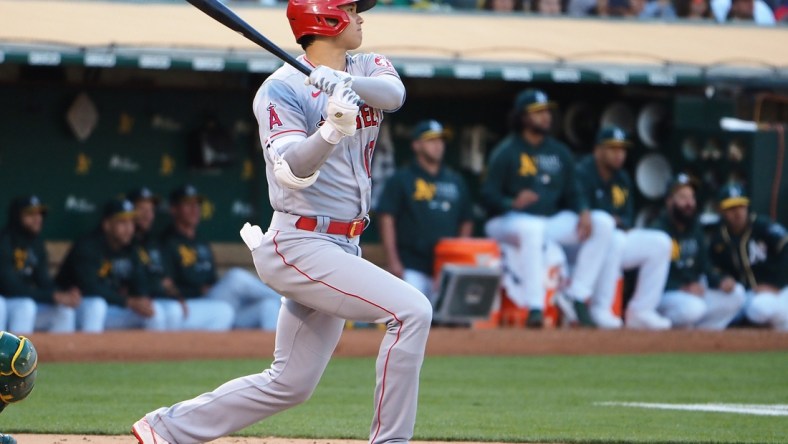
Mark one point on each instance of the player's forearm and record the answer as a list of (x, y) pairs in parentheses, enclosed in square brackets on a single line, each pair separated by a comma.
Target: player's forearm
[(383, 92), (307, 155)]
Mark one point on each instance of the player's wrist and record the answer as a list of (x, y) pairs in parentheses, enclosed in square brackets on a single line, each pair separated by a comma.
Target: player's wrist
[(330, 133)]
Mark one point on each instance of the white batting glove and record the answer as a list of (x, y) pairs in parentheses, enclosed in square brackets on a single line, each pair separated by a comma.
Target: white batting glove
[(252, 235), (327, 80), (341, 113)]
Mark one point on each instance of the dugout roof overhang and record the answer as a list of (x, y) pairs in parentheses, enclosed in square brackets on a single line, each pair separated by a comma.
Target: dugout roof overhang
[(421, 44)]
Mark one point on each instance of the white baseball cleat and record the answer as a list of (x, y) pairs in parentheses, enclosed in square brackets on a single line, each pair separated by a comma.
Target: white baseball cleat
[(605, 319), (145, 433), (647, 320)]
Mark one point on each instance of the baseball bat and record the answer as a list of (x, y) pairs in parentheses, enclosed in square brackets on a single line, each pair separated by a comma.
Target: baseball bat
[(734, 124), (222, 14)]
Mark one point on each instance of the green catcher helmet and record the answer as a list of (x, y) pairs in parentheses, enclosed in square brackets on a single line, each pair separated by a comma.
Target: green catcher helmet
[(18, 368)]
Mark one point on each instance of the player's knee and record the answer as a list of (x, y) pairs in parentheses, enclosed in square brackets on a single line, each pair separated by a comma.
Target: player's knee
[(690, 313), (64, 320), (761, 309), (223, 316), (93, 314), (663, 245), (26, 308), (238, 274), (603, 224), (528, 226), (157, 322), (737, 298), (423, 313)]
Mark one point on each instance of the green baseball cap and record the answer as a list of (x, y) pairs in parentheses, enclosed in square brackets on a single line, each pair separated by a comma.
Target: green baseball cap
[(732, 195), (29, 204), (183, 193), (612, 135), (142, 193), (428, 129), (532, 100), (118, 208), (681, 180)]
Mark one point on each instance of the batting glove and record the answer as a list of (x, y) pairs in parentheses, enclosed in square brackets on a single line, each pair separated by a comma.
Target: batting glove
[(252, 235), (328, 80), (341, 113)]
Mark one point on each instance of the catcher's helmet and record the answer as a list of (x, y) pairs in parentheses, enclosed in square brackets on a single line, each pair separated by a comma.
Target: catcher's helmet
[(310, 17), (18, 368)]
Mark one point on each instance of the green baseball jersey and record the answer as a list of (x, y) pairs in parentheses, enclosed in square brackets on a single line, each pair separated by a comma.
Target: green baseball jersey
[(426, 208), (98, 270), (757, 256), (24, 265), (613, 196), (149, 254), (189, 262), (547, 169), (689, 259)]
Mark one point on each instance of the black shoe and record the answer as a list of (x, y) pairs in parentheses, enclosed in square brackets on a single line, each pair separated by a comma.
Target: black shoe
[(535, 319), (583, 315)]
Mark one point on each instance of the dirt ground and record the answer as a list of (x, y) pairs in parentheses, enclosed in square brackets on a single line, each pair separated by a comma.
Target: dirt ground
[(146, 346)]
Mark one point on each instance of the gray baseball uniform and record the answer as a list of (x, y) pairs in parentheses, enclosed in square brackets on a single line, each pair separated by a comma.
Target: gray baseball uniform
[(322, 276)]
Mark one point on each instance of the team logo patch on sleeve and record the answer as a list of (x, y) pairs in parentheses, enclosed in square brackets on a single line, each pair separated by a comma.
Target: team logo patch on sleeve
[(273, 117), (383, 61)]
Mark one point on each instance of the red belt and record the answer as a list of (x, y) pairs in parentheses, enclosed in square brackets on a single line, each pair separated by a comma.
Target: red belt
[(350, 229)]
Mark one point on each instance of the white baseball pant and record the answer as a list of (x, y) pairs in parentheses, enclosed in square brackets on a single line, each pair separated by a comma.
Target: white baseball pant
[(712, 311), (768, 308), (55, 318), (325, 282), (20, 312), (528, 233), (648, 251)]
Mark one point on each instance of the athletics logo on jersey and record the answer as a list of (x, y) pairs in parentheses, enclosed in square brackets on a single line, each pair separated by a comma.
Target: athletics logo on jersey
[(423, 190), (273, 117), (527, 166), (619, 196)]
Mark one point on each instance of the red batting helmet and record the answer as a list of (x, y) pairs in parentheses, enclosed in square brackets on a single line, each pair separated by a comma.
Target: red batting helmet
[(310, 17)]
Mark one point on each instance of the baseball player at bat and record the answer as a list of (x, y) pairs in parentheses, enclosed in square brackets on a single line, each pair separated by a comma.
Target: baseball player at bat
[(318, 144), (608, 187), (532, 191)]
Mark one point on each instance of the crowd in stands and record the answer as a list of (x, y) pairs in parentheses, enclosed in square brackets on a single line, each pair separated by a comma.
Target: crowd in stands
[(539, 199), (760, 12), (120, 275)]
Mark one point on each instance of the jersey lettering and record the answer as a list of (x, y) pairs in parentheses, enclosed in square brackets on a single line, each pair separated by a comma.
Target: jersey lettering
[(368, 151), (367, 117), (527, 166), (757, 252), (273, 117)]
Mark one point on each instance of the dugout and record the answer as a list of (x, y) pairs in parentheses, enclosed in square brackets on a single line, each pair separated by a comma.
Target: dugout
[(123, 94)]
